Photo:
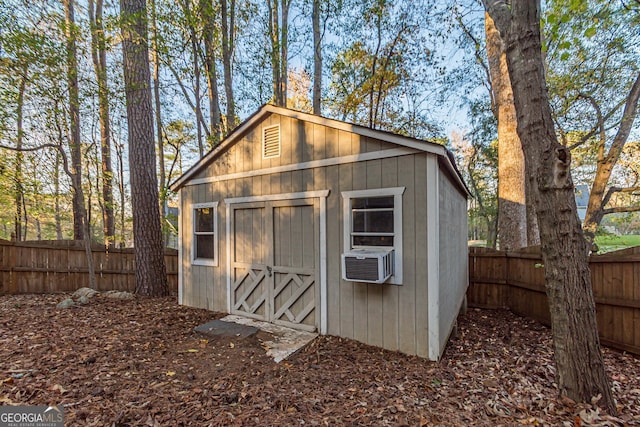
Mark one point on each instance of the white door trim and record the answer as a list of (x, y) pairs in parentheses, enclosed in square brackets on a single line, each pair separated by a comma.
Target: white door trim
[(319, 194)]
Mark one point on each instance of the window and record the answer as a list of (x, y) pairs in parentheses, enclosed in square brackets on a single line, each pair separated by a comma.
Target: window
[(205, 234), (373, 220)]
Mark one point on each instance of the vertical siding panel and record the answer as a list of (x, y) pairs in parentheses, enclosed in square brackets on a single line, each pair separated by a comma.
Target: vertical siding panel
[(305, 132), (220, 302), (375, 291), (344, 143), (197, 270), (407, 292), (337, 319), (360, 294), (372, 145), (358, 144), (287, 142), (296, 141), (319, 141), (421, 233), (286, 185), (331, 142), (390, 298), (307, 180)]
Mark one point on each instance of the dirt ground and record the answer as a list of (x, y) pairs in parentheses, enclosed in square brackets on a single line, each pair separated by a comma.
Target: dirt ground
[(121, 363)]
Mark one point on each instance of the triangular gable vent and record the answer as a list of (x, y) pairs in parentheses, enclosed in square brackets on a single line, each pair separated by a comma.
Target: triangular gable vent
[(271, 142)]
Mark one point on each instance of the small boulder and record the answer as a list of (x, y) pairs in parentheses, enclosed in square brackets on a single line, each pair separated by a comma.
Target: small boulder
[(66, 303), (83, 300), (84, 292), (119, 295)]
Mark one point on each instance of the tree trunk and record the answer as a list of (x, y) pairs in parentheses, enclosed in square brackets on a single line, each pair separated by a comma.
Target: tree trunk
[(228, 46), (317, 59), (158, 116), (208, 21), (56, 183), (512, 208), (74, 120), (151, 276), (196, 75), (99, 56), (80, 220), (284, 52), (580, 368), (274, 31), (18, 189)]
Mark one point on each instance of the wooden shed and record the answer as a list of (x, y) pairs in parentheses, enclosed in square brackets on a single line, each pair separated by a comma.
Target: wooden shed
[(327, 226)]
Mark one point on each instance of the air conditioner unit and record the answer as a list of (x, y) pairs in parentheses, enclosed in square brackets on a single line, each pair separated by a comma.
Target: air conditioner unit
[(367, 265)]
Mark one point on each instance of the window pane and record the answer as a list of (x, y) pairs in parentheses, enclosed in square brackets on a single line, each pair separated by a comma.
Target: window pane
[(373, 222), (372, 241), (204, 246), (204, 220), (372, 202)]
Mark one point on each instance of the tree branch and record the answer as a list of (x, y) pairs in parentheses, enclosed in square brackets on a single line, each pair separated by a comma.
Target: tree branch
[(628, 116), (621, 209)]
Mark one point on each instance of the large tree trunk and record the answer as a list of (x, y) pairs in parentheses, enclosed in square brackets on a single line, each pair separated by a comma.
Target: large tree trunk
[(99, 56), (151, 276), (580, 367), (512, 208)]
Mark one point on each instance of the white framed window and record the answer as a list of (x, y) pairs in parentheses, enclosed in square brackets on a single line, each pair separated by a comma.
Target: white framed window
[(271, 142), (204, 250), (373, 220)]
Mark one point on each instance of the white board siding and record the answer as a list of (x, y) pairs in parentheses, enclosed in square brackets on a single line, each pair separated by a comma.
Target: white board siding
[(453, 261)]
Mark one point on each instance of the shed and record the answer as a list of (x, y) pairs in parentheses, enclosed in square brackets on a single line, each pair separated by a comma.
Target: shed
[(327, 226)]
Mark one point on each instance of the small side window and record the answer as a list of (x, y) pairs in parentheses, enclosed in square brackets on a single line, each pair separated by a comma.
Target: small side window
[(205, 234)]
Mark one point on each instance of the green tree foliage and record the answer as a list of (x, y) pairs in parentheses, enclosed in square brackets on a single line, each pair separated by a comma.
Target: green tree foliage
[(380, 74), (593, 52)]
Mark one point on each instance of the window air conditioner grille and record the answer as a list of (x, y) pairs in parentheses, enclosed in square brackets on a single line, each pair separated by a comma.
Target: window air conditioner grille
[(365, 265)]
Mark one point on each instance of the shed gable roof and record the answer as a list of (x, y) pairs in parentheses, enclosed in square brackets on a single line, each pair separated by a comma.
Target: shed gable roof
[(237, 134)]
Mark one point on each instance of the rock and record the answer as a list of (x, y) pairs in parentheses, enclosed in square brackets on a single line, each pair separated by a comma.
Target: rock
[(84, 292), (65, 303), (120, 295), (83, 300)]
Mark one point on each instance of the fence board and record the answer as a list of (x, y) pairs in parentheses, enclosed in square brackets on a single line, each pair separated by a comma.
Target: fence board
[(61, 266), (515, 280)]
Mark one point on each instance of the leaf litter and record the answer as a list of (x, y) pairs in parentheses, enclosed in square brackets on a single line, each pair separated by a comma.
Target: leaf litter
[(139, 362)]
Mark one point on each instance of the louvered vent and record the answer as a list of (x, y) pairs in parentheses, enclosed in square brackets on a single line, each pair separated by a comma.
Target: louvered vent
[(271, 142)]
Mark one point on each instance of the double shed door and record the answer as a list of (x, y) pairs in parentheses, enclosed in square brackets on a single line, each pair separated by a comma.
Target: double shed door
[(275, 258)]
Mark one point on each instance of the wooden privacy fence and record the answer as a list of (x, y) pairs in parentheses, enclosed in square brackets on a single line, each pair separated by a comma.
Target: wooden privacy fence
[(61, 266), (515, 280)]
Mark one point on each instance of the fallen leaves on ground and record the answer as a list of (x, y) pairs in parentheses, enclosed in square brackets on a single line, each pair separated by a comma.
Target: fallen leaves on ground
[(138, 362)]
